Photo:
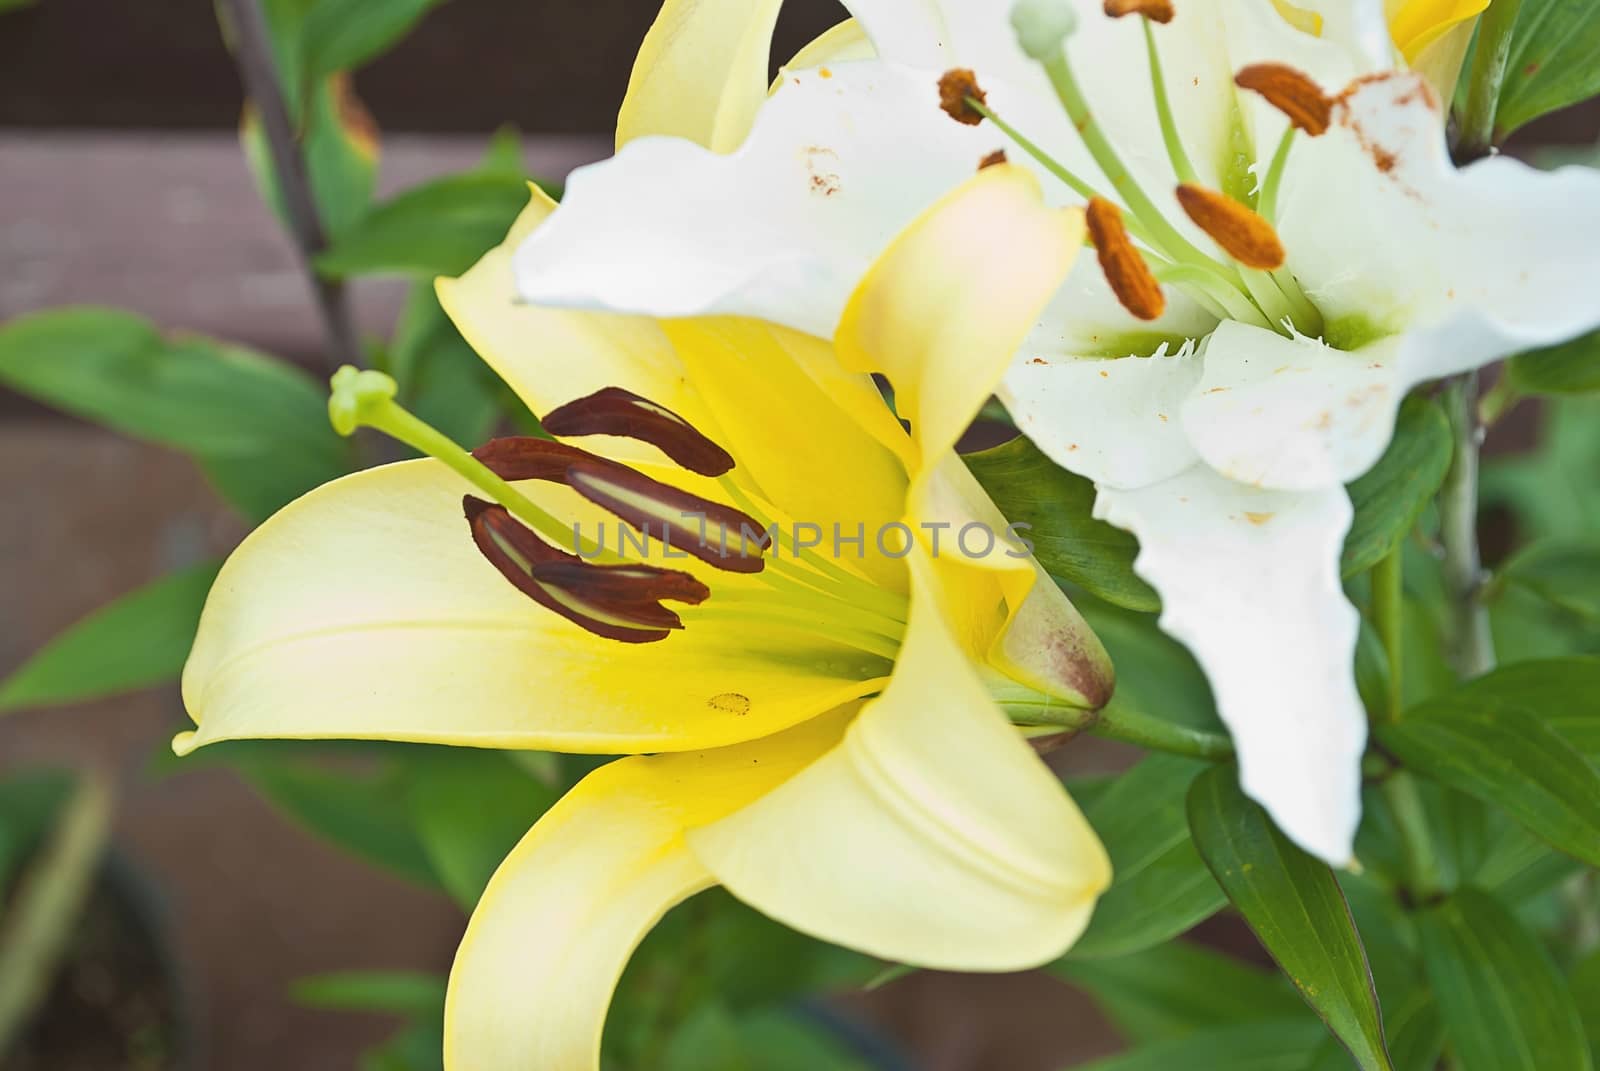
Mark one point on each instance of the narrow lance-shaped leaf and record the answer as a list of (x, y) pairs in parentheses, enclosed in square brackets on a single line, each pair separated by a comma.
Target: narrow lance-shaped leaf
[(1503, 755), (1504, 1005), (133, 642), (1393, 493), (1160, 887), (1296, 908), (1552, 62), (1570, 368)]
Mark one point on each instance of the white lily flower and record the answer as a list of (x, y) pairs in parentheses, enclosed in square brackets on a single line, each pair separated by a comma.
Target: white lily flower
[(1287, 298)]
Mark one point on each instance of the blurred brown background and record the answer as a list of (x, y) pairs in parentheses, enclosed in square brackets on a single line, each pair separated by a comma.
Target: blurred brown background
[(121, 183)]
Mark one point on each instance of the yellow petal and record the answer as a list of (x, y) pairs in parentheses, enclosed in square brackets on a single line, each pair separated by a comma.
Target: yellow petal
[(1440, 60), (364, 610), (701, 73), (840, 43), (550, 356), (548, 941), (950, 301), (1416, 24), (931, 835), (809, 436)]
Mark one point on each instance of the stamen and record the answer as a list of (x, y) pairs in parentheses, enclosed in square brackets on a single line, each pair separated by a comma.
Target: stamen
[(1245, 236), (1169, 126), (1292, 93), (1155, 10), (960, 94), (994, 159), (618, 602), (614, 411), (716, 534), (1125, 269)]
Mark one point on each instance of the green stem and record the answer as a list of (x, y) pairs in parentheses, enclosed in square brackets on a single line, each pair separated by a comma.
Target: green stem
[(1118, 722), (1490, 59), (43, 915), (1169, 126), (1472, 643), (1388, 617), (1422, 862), (1166, 236)]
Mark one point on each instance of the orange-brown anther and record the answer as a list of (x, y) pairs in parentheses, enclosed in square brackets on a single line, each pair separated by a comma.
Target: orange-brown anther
[(1125, 269), (1292, 93), (957, 87), (1245, 236), (1155, 10), (994, 159)]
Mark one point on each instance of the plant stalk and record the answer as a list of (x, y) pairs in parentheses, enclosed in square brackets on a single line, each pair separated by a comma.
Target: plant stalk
[(1490, 59), (1471, 642), (1117, 722), (252, 51), (1388, 618)]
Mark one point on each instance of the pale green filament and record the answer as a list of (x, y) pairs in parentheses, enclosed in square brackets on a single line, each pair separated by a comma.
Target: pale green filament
[(1217, 291), (365, 399), (1169, 128), (1267, 206)]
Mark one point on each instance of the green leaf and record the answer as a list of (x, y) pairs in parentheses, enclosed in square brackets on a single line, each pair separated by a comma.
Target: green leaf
[(713, 1039), (1296, 908), (1563, 692), (470, 808), (417, 1047), (360, 810), (30, 800), (1390, 498), (1179, 988), (1584, 984), (1508, 757), (1565, 574), (1252, 1047), (1073, 547), (1161, 886), (340, 150), (1555, 490), (258, 426), (1570, 368), (440, 228), (1504, 1005), (413, 994), (133, 642), (1554, 62), (344, 34), (1416, 1039)]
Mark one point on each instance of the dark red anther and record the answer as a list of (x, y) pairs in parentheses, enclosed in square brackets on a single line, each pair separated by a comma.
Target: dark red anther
[(522, 457), (614, 411), (618, 602)]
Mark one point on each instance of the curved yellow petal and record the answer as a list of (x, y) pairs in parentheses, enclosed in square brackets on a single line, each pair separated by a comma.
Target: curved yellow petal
[(949, 302), (810, 436), (931, 835), (1414, 25), (701, 73), (364, 610), (840, 43), (550, 356), (557, 923)]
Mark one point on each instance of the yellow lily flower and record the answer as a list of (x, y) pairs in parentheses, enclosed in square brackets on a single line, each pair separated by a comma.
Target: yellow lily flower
[(826, 736), (1432, 35)]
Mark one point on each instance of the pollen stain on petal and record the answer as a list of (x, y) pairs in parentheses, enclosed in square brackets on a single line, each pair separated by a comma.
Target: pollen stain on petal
[(1155, 10), (958, 87), (1244, 235), (1125, 269), (730, 703), (1294, 94)]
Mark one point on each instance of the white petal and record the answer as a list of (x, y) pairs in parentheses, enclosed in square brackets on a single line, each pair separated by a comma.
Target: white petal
[(904, 31), (1388, 236), (1114, 421), (1292, 414), (1249, 581), (781, 230)]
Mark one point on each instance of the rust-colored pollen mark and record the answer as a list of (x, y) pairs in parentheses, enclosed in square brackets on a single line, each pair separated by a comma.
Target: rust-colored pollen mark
[(1245, 236), (957, 89), (1130, 277), (1155, 10), (994, 159), (1292, 93), (730, 703)]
